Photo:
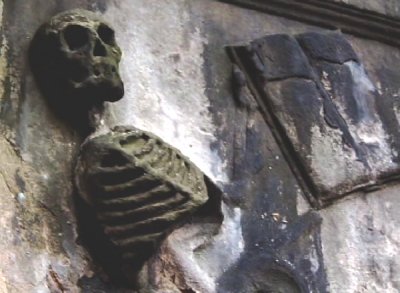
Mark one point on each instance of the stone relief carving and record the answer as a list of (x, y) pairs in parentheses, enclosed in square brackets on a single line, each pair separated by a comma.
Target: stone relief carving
[(134, 187), (264, 207), (75, 60), (315, 92), (140, 188)]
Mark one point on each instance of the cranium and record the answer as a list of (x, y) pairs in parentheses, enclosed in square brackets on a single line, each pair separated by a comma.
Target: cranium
[(75, 60)]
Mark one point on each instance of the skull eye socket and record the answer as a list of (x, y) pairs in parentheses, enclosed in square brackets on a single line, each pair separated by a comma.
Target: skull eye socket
[(106, 34), (76, 36)]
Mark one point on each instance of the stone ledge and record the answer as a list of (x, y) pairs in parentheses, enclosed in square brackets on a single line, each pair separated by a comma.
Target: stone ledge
[(347, 18)]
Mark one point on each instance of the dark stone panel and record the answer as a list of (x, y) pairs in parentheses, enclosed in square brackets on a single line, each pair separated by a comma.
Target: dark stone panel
[(337, 68), (297, 103), (332, 47), (342, 89), (304, 109), (281, 57), (365, 109), (300, 107)]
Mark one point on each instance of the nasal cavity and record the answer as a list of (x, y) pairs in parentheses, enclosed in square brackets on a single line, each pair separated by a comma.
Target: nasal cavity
[(99, 49)]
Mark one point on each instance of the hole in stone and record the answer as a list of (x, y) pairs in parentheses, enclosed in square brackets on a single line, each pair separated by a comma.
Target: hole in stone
[(122, 176), (106, 34), (133, 141), (113, 159), (99, 49), (76, 36), (96, 72), (145, 137)]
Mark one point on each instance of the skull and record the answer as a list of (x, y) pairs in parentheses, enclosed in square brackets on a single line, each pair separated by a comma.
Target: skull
[(75, 59)]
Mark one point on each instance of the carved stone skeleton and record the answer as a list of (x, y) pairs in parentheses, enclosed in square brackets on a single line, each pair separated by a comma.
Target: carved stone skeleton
[(140, 188), (136, 187)]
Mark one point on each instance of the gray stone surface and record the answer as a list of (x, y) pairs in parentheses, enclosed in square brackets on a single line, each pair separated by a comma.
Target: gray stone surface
[(322, 105), (139, 189), (361, 242), (178, 86), (387, 7)]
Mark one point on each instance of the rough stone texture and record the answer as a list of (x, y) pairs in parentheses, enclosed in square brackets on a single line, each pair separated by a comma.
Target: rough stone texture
[(178, 86), (317, 96), (139, 188), (46, 149), (367, 222), (387, 7)]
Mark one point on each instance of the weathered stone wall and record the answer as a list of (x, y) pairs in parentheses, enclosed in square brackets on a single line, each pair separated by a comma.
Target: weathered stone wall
[(386, 7), (178, 81)]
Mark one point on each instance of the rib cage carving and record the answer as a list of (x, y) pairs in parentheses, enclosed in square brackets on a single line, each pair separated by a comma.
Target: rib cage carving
[(140, 188)]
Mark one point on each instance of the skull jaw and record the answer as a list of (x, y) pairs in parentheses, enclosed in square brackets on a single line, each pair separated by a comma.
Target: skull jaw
[(74, 102), (97, 91)]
